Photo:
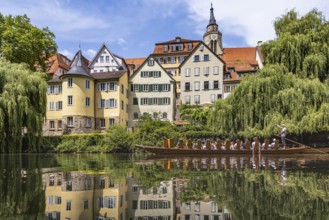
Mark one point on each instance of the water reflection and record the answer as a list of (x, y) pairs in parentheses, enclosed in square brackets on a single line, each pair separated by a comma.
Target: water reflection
[(121, 187)]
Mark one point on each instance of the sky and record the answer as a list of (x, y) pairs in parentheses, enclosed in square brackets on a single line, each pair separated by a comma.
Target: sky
[(130, 28)]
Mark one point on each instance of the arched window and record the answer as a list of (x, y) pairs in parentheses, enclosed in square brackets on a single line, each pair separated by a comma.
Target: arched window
[(135, 115), (155, 115), (164, 115)]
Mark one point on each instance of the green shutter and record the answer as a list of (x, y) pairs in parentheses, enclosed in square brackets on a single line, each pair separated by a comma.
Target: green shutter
[(160, 87), (150, 101), (168, 101), (150, 88), (159, 73), (159, 101), (141, 87), (151, 74), (132, 87), (169, 85)]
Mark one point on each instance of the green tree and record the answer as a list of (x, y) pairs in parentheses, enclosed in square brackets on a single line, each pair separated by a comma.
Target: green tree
[(20, 41), (196, 114), (118, 140), (272, 97), (22, 106), (302, 44)]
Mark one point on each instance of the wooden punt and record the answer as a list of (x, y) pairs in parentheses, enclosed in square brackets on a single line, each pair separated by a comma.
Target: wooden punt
[(188, 151)]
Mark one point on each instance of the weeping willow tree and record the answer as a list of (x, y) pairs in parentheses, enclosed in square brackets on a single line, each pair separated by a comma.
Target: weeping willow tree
[(302, 44), (22, 195), (22, 106), (272, 97), (292, 88)]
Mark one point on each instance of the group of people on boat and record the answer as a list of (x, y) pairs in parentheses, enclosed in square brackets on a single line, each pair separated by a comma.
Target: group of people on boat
[(228, 144)]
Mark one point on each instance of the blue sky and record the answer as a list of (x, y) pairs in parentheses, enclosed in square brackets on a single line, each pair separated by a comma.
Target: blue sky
[(130, 28)]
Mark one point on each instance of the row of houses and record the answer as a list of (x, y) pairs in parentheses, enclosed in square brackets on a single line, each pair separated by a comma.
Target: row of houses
[(85, 96)]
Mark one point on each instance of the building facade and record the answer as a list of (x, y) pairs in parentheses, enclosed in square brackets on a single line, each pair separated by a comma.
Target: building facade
[(201, 76), (152, 91), (82, 102)]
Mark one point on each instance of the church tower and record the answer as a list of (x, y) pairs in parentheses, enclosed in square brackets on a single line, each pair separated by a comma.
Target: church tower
[(213, 37)]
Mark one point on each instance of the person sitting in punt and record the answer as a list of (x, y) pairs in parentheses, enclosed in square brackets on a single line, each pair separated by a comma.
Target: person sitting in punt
[(213, 146), (195, 144), (253, 143), (271, 146), (233, 145), (236, 145)]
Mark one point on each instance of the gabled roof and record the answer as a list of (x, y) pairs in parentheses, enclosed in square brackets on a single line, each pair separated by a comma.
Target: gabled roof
[(78, 66), (159, 47), (135, 61), (58, 61), (196, 48), (108, 75), (112, 54), (55, 80), (241, 59), (145, 61)]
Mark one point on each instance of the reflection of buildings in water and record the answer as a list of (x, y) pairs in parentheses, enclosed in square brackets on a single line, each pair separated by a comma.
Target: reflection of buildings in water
[(202, 210), (156, 203), (76, 195)]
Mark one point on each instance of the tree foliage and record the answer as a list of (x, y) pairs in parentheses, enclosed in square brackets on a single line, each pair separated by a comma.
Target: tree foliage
[(272, 97), (118, 140), (22, 106), (20, 41), (302, 44), (196, 114)]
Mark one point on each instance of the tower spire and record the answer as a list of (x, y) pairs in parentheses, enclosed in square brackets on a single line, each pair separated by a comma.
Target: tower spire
[(212, 20)]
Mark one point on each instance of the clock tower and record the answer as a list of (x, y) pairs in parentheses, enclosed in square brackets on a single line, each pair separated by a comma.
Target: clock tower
[(213, 37)]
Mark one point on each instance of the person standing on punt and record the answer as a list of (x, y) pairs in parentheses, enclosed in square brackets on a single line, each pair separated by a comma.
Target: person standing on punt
[(283, 135)]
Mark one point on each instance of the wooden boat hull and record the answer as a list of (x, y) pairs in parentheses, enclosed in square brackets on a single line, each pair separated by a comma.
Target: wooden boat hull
[(184, 151)]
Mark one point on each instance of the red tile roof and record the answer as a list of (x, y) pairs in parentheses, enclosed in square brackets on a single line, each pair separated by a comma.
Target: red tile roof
[(159, 47), (135, 61), (241, 59), (58, 61)]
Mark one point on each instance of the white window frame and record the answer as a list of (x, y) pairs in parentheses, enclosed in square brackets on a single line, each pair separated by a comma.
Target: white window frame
[(69, 82), (197, 86), (197, 71), (216, 70), (188, 72), (51, 106), (70, 100), (188, 99), (87, 84), (165, 87), (87, 101)]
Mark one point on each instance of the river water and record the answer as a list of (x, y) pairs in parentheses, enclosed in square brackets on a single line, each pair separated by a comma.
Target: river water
[(146, 187)]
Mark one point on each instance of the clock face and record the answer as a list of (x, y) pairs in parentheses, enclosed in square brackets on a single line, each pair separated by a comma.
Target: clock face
[(213, 36)]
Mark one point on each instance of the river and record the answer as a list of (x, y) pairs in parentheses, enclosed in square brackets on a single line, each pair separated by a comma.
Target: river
[(146, 187)]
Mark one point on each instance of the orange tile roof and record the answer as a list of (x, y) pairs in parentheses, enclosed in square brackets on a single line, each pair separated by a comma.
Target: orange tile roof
[(57, 61), (159, 47), (241, 59), (135, 61)]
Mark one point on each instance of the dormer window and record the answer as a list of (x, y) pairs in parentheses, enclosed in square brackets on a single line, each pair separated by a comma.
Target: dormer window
[(178, 39), (196, 58), (189, 46), (165, 48), (231, 70), (177, 47), (150, 62)]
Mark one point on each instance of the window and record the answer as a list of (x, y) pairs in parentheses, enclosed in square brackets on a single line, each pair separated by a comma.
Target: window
[(144, 101), (101, 182), (51, 106), (196, 58), (85, 204), (155, 115), (206, 70), (189, 46), (206, 57), (166, 87), (122, 89), (155, 87), (197, 99), (59, 124), (88, 122), (212, 98), (187, 86), (68, 205), (107, 59), (166, 101), (172, 59), (101, 59), (164, 115), (102, 123), (122, 105), (197, 207), (87, 84), (145, 87), (55, 89), (135, 101), (135, 115), (165, 48), (102, 103), (197, 71), (166, 204), (196, 86), (59, 105), (70, 100), (181, 59), (214, 207), (227, 89), (111, 86), (111, 121), (135, 87), (70, 82), (102, 86), (51, 180), (87, 101), (206, 85), (70, 121), (187, 72), (216, 70), (216, 84), (155, 204), (150, 62), (143, 204), (51, 124), (187, 206), (69, 186), (187, 99)]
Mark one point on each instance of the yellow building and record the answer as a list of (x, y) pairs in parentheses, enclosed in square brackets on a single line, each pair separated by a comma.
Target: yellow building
[(81, 102)]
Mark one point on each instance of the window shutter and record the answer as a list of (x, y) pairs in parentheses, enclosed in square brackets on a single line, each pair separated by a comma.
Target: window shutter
[(160, 101), (115, 86), (168, 101), (60, 89), (149, 204), (160, 88), (169, 85), (150, 88), (115, 103), (141, 87), (202, 85), (160, 204), (159, 73), (107, 103), (168, 204), (132, 87), (150, 101), (57, 106), (99, 86)]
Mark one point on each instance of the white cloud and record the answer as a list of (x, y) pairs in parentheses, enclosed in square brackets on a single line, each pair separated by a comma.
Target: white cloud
[(252, 20), (122, 42), (90, 53), (67, 53)]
